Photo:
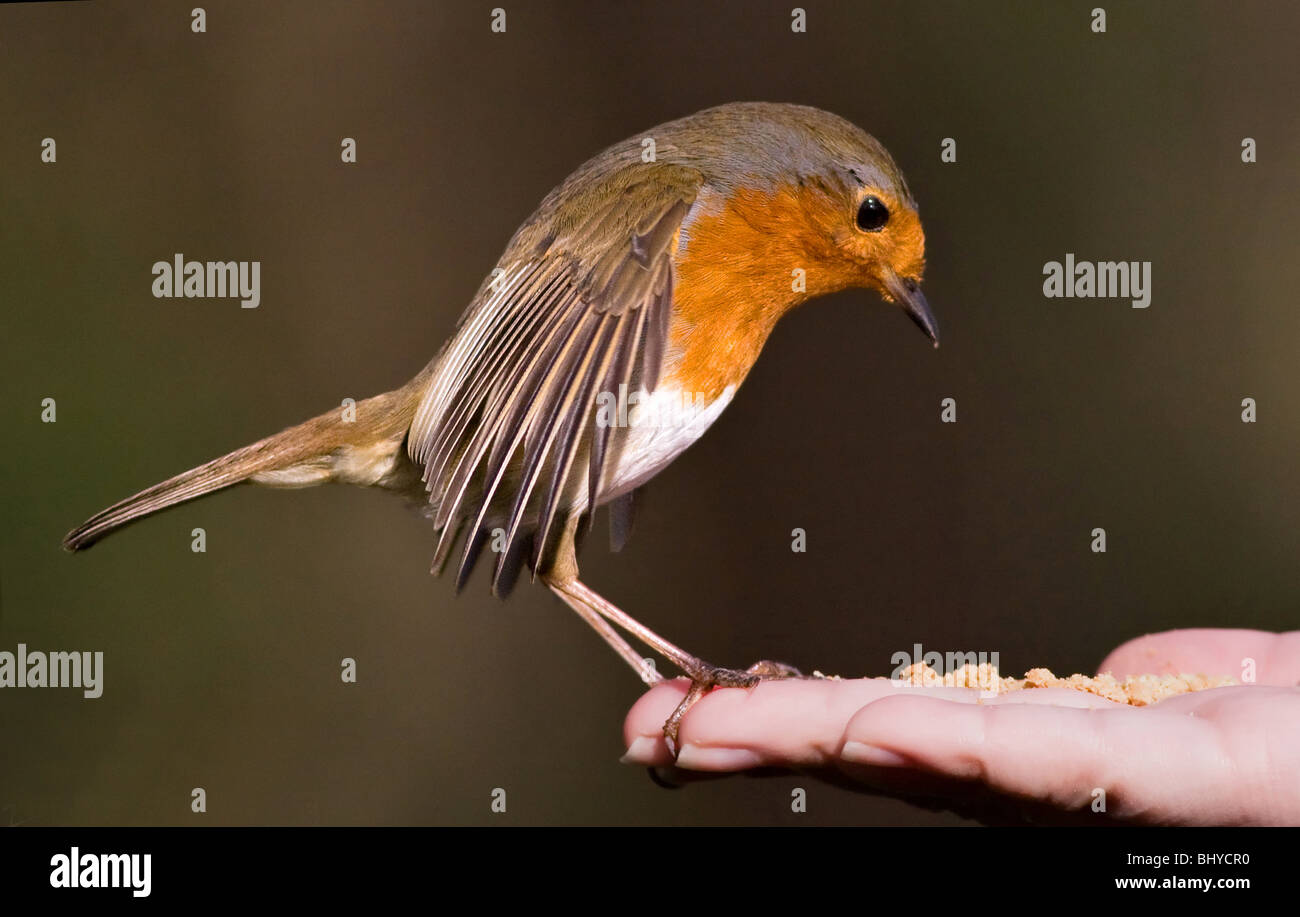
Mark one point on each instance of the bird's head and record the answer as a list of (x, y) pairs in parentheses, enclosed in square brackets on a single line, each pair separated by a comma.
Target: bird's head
[(806, 190), (887, 246)]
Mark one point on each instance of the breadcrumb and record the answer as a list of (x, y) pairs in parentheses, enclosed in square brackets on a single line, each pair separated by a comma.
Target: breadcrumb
[(1136, 690)]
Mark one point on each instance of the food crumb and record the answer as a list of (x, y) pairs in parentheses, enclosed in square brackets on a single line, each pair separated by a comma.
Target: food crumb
[(1136, 690)]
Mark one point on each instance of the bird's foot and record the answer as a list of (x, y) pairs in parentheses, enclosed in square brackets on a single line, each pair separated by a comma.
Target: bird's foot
[(704, 678)]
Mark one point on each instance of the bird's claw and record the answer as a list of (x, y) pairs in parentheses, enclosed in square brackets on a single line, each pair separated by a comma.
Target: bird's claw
[(708, 677)]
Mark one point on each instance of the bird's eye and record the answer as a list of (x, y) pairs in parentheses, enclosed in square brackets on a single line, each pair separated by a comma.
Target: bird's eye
[(872, 215)]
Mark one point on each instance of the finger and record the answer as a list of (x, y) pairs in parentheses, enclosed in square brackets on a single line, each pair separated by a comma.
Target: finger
[(787, 723), (1268, 658), (1136, 763)]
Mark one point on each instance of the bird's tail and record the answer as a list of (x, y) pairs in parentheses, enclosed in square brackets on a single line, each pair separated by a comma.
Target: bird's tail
[(361, 444)]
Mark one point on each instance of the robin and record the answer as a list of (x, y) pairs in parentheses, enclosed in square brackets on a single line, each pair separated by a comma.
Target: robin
[(615, 328)]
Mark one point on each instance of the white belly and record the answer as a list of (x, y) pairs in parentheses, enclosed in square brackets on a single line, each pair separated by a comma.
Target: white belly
[(655, 429)]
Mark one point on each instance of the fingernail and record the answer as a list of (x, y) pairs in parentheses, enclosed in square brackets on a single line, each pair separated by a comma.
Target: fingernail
[(862, 753), (641, 751), (703, 758)]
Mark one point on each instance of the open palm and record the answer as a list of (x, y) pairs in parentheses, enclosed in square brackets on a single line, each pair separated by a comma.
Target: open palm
[(1227, 755)]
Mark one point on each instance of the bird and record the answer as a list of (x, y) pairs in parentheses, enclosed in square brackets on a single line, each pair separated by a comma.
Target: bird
[(614, 329)]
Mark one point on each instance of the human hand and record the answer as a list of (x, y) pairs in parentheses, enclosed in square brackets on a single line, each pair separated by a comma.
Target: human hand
[(1226, 755)]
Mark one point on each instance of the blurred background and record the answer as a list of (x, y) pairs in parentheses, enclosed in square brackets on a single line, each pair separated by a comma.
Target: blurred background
[(222, 668)]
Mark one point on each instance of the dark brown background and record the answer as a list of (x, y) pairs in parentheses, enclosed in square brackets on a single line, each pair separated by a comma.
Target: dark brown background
[(222, 668)]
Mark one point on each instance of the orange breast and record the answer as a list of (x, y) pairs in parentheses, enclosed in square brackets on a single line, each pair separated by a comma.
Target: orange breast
[(737, 277)]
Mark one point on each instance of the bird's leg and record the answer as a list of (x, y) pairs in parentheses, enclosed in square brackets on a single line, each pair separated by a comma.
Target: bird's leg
[(561, 576), (597, 611), (646, 671)]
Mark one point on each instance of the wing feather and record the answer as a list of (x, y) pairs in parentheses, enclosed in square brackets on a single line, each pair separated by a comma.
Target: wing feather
[(507, 357), (526, 407), (505, 429), (571, 435)]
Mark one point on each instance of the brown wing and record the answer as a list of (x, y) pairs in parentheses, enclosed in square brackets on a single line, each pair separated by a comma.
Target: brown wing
[(505, 429)]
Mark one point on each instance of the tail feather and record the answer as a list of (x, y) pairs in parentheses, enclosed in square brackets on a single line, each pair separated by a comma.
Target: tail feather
[(368, 451)]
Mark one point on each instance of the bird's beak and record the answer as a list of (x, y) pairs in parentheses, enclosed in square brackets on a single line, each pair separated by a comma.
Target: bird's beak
[(907, 293)]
